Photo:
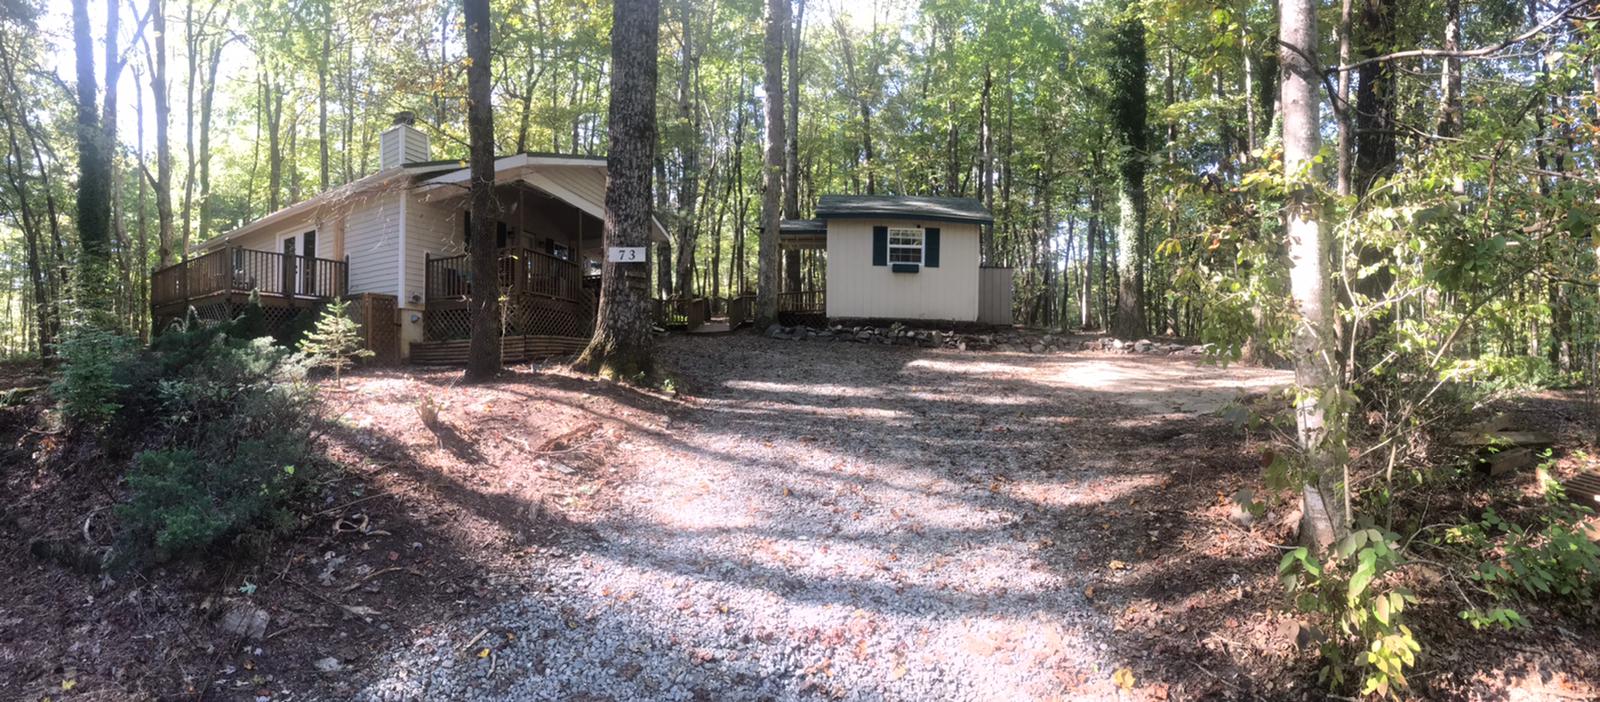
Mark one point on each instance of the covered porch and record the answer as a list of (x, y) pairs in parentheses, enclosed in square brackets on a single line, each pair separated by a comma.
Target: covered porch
[(549, 252), (804, 245)]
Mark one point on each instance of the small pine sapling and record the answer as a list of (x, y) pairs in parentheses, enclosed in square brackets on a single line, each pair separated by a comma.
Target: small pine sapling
[(336, 341)]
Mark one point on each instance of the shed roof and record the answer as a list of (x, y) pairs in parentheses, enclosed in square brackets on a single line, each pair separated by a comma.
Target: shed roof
[(802, 226), (942, 209)]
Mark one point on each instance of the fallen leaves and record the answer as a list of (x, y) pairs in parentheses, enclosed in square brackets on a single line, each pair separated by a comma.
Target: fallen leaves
[(1123, 678)]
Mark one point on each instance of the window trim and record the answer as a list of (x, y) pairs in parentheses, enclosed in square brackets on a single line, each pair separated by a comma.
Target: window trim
[(921, 247)]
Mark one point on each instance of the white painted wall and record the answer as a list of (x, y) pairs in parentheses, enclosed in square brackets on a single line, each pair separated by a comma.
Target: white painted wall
[(858, 289)]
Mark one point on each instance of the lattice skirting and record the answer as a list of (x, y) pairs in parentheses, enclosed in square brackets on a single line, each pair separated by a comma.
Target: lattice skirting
[(512, 349), (277, 319), (524, 315)]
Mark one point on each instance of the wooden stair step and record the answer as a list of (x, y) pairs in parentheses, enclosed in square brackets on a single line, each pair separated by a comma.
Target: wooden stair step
[(1584, 488), (1501, 438)]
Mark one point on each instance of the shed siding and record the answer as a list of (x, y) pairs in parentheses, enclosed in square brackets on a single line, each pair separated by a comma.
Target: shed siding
[(858, 289)]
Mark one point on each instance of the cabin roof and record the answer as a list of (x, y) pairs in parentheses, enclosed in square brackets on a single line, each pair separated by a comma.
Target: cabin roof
[(415, 174), (941, 209)]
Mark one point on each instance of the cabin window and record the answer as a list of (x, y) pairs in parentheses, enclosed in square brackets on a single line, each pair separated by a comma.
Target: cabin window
[(905, 245)]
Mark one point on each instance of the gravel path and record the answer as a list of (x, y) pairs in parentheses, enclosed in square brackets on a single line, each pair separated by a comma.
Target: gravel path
[(837, 521)]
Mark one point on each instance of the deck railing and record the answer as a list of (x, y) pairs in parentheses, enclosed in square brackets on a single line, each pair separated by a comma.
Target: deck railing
[(802, 301), (233, 269), (741, 309), (685, 312), (521, 271)]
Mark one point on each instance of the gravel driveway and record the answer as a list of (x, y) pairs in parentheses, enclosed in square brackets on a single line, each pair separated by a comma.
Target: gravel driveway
[(839, 521)]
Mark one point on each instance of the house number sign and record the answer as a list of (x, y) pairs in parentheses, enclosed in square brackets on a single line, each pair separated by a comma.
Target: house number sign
[(626, 254)]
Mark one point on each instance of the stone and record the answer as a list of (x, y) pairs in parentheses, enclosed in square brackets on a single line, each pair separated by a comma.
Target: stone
[(328, 664), (246, 620), (774, 331)]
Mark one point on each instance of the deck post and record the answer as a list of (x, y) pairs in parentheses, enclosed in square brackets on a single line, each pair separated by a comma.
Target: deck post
[(344, 276), (183, 280)]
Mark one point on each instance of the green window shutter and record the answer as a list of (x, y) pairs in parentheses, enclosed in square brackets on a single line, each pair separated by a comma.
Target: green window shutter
[(880, 246), (930, 247)]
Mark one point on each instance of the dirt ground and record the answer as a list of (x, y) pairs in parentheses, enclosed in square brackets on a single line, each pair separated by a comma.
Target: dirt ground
[(1018, 522)]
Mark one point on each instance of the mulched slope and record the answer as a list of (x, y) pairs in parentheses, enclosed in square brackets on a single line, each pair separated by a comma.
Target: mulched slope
[(427, 526)]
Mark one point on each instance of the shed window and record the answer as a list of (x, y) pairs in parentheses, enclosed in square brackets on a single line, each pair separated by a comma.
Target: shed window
[(905, 245)]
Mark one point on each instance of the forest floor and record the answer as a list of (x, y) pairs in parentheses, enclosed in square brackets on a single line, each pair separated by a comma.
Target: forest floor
[(799, 520)]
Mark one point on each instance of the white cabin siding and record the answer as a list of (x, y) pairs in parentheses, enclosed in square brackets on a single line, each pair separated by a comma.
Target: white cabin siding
[(432, 229), (858, 289), (371, 238)]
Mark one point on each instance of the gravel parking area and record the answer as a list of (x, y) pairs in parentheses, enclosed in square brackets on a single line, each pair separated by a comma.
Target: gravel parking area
[(842, 521)]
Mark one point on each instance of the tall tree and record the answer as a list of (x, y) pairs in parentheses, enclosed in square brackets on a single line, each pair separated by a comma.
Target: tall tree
[(689, 179), (159, 91), (1130, 115), (1319, 407), (483, 352), (621, 346), (94, 173), (777, 22), (791, 157)]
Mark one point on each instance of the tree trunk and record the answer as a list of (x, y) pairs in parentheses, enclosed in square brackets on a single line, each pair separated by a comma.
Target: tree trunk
[(621, 346), (791, 178), (322, 101), (1341, 104), (207, 98), (1130, 114), (483, 353), (94, 174), (1319, 409), (689, 117), (777, 21), (163, 103)]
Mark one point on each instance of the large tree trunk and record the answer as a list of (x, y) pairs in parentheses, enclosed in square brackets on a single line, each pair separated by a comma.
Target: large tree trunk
[(621, 346), (1319, 409), (772, 168), (94, 174), (483, 353), (1129, 111)]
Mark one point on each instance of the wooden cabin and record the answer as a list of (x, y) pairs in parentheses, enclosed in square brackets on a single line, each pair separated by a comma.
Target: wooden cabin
[(401, 233)]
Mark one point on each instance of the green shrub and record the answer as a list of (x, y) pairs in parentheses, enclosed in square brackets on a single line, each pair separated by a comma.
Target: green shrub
[(94, 365), (238, 416), (1552, 559), (1362, 622), (182, 503)]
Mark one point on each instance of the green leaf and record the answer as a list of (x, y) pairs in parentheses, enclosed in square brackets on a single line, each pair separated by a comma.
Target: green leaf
[(1367, 568)]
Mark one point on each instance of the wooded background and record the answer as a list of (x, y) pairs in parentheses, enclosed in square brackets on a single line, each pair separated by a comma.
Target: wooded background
[(1128, 149)]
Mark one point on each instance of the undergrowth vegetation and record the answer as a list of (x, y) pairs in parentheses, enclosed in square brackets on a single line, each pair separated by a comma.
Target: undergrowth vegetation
[(217, 422)]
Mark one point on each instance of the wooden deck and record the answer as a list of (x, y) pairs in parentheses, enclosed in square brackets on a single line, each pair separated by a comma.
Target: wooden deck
[(216, 285), (802, 307)]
